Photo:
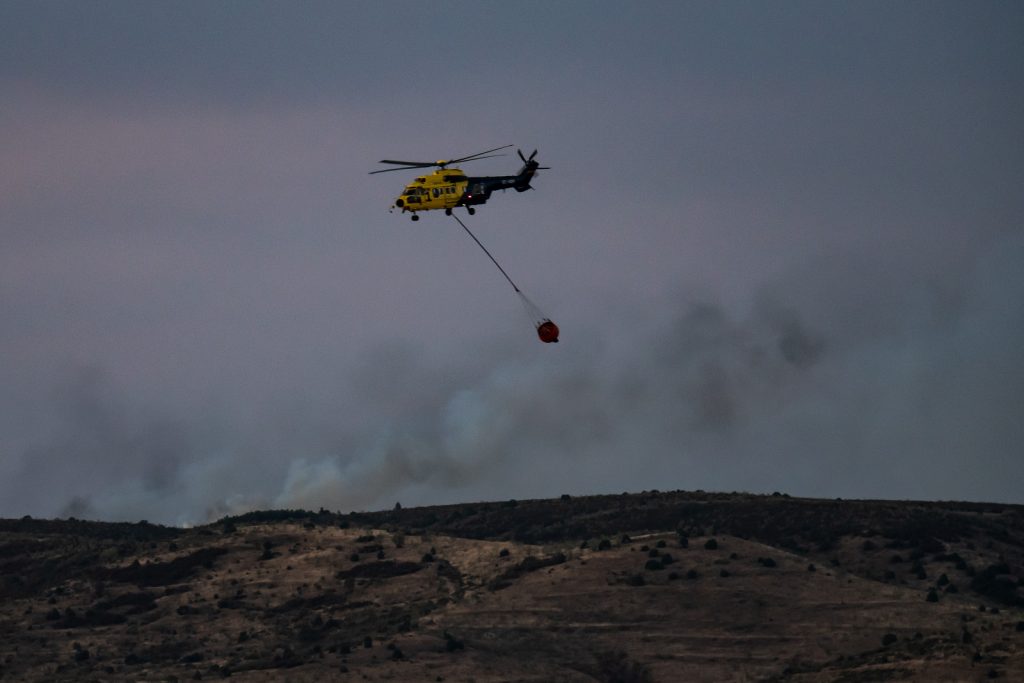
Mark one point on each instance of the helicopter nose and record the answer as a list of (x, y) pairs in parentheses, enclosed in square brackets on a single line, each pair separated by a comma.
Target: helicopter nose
[(399, 202)]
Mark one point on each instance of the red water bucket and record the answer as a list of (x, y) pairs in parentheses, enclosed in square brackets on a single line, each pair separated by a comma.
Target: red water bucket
[(548, 332)]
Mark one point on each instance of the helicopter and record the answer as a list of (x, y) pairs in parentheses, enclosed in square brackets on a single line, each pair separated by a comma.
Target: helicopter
[(447, 188)]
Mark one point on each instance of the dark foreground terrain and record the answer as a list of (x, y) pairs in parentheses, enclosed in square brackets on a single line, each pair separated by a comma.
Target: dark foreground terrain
[(653, 586)]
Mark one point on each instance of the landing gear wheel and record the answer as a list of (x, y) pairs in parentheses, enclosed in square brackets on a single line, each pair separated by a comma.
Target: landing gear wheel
[(471, 210), (447, 212), (415, 217)]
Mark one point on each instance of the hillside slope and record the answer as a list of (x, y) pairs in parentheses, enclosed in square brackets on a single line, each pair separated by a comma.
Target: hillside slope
[(643, 587)]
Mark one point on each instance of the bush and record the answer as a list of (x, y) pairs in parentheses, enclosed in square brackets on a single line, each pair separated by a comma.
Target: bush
[(654, 565), (933, 596), (767, 562), (451, 643), (605, 544), (692, 574), (888, 639), (712, 544), (616, 666), (503, 552), (994, 582)]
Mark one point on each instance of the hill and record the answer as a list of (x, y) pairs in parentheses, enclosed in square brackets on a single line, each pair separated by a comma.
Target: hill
[(654, 586)]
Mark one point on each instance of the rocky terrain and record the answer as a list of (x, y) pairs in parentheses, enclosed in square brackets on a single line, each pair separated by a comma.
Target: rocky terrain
[(654, 586)]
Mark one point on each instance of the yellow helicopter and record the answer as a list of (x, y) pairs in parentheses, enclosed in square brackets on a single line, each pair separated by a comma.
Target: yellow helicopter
[(447, 188)]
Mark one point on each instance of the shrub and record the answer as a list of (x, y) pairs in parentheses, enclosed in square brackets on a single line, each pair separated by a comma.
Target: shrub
[(503, 552), (692, 574), (654, 565), (724, 573), (616, 666), (712, 544), (811, 568), (605, 544), (767, 562), (636, 580), (451, 643), (660, 544), (933, 596), (994, 582), (888, 639)]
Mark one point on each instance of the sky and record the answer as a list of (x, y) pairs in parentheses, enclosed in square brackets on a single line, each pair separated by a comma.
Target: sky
[(784, 243)]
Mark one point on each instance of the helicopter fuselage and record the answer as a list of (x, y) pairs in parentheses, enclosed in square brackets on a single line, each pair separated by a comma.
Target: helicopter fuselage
[(447, 188)]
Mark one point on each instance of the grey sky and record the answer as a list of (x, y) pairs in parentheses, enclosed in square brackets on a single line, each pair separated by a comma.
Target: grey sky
[(783, 243)]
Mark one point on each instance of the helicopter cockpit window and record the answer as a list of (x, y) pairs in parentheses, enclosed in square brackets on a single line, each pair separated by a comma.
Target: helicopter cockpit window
[(437, 192)]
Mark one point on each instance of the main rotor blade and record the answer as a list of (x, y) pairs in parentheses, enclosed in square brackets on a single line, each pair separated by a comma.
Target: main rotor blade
[(407, 163), (478, 155), (400, 168)]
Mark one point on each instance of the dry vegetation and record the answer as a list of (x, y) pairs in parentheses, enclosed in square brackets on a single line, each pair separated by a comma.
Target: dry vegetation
[(647, 587)]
